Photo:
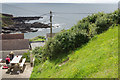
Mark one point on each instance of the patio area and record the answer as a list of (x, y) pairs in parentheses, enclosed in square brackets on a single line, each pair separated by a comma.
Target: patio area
[(26, 73)]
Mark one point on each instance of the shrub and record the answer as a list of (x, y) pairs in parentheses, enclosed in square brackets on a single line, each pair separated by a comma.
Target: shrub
[(116, 16), (92, 18), (92, 30), (103, 23), (27, 56), (38, 54), (64, 42), (78, 35)]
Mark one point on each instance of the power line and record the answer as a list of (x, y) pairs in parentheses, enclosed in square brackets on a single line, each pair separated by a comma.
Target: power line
[(49, 13), (61, 17), (71, 13), (46, 13)]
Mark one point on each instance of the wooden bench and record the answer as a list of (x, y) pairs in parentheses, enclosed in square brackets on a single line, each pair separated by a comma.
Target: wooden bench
[(22, 64), (0, 60)]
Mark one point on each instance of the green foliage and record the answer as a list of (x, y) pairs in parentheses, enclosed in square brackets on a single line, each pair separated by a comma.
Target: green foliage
[(115, 16), (68, 40), (38, 38), (97, 59), (6, 21), (98, 56), (27, 56), (103, 23), (38, 55), (64, 42), (92, 30)]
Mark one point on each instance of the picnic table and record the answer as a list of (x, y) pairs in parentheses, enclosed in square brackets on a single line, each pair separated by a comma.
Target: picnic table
[(16, 59), (15, 63)]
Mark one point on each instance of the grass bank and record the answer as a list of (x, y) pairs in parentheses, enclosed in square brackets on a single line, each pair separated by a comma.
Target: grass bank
[(97, 59), (38, 38)]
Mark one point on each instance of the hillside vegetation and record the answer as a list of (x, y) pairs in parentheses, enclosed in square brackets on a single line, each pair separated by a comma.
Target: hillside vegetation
[(82, 50), (38, 38), (77, 36), (6, 20), (97, 59)]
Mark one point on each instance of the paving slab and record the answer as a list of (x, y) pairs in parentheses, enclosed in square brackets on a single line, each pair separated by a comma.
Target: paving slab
[(26, 74)]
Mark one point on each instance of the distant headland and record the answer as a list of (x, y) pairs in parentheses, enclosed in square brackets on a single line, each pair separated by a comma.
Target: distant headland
[(11, 24)]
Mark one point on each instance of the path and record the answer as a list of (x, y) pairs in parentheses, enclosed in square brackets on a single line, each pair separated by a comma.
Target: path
[(26, 74), (37, 44)]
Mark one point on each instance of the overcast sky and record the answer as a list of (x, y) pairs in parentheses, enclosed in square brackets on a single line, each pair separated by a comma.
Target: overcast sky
[(61, 1)]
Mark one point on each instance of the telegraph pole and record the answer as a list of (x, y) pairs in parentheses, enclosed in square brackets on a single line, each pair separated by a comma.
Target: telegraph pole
[(50, 23)]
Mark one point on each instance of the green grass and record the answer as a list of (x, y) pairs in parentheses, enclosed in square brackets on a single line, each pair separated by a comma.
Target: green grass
[(97, 59), (6, 21), (38, 38)]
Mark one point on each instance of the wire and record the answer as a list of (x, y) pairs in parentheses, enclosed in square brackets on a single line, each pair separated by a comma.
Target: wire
[(64, 18), (48, 13), (71, 13), (45, 13)]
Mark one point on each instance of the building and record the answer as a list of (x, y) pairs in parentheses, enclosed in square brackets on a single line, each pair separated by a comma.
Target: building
[(13, 42)]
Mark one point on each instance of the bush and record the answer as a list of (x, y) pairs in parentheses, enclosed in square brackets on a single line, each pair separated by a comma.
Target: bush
[(78, 35), (116, 16), (38, 54), (103, 24), (27, 56), (64, 42), (37, 61), (92, 18), (92, 30)]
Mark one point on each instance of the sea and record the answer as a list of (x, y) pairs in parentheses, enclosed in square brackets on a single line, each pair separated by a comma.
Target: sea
[(64, 15)]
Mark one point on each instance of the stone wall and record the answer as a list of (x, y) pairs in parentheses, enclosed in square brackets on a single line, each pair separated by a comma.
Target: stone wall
[(15, 44), (12, 36)]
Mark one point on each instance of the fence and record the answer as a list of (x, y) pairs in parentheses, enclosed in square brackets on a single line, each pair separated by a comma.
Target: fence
[(12, 36)]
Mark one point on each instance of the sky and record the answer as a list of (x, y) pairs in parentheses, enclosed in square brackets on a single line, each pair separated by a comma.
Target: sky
[(59, 1)]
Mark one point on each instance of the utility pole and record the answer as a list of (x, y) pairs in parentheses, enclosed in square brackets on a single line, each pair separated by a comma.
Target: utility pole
[(50, 23)]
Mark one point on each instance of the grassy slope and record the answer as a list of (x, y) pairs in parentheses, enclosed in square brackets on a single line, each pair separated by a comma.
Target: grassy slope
[(6, 21), (97, 59), (38, 38)]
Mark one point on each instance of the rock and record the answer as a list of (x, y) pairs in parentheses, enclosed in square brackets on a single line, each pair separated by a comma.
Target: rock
[(34, 30), (19, 25), (39, 25), (6, 31)]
